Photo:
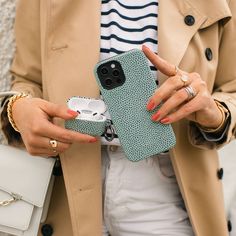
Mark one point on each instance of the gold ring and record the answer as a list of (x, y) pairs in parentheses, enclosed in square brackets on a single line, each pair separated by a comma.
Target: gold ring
[(184, 79), (53, 144)]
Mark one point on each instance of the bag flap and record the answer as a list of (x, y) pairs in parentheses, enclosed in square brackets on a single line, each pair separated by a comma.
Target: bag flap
[(17, 215), (24, 175)]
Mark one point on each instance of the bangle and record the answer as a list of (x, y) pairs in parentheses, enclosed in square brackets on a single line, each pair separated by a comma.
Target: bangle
[(10, 104), (225, 116)]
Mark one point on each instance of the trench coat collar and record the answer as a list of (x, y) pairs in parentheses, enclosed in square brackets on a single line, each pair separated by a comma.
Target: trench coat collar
[(172, 42)]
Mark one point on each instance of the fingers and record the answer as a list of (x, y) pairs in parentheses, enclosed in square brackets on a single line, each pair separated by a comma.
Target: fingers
[(170, 105), (162, 93), (41, 143), (55, 110), (184, 111), (178, 101), (45, 128), (162, 65)]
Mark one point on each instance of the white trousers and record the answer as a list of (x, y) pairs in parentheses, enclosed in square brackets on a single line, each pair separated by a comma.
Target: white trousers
[(141, 198)]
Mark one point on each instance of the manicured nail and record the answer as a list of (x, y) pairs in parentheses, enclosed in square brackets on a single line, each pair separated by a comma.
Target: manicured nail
[(93, 140), (71, 112), (156, 116), (165, 120), (145, 47), (150, 105)]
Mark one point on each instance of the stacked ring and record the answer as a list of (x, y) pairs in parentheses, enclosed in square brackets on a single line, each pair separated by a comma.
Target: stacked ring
[(190, 91)]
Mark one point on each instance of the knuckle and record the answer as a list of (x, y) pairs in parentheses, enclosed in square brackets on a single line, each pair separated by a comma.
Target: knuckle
[(181, 95), (63, 148), (188, 109), (172, 80), (31, 151), (196, 75), (66, 146), (158, 95), (31, 141), (203, 83), (36, 129), (66, 136)]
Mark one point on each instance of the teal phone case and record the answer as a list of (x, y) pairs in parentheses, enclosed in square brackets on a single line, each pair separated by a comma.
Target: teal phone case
[(139, 136)]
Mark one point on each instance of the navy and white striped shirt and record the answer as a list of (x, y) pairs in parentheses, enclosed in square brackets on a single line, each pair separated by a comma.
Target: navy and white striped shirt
[(125, 25)]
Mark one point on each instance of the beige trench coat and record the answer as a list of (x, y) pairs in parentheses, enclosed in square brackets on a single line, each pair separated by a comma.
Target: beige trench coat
[(57, 48)]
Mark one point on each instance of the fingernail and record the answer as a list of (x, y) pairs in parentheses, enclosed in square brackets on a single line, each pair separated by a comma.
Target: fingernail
[(145, 47), (165, 120), (93, 140), (156, 116), (150, 105), (73, 113)]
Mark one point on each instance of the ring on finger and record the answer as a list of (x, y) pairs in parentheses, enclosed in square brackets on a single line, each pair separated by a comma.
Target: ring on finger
[(53, 143), (184, 78), (190, 91)]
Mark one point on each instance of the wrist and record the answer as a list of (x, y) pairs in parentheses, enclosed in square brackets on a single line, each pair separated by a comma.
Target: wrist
[(220, 124), (10, 105)]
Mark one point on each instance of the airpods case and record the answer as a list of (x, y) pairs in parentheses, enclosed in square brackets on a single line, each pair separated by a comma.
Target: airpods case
[(90, 119)]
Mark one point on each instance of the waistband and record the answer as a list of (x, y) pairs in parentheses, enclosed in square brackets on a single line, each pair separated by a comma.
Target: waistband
[(118, 149)]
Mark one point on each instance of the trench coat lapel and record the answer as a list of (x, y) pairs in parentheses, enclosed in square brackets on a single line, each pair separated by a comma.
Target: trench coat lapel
[(74, 50), (172, 42)]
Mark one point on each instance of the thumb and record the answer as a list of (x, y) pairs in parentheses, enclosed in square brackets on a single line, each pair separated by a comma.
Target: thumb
[(162, 65), (60, 111)]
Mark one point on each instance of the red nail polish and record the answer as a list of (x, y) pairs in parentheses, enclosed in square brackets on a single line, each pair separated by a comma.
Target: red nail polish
[(156, 116), (150, 105), (93, 140), (145, 47), (73, 113), (165, 120)]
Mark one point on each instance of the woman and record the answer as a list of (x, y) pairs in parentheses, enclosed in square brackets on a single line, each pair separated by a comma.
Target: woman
[(57, 47)]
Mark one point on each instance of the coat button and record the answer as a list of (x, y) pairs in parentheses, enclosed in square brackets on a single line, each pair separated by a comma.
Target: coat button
[(209, 54), (189, 20), (47, 230), (220, 173), (229, 224)]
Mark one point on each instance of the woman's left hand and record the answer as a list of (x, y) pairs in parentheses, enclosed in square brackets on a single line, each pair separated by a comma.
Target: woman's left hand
[(183, 95)]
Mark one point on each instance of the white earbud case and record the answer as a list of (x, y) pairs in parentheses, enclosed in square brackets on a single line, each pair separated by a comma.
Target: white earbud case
[(90, 119)]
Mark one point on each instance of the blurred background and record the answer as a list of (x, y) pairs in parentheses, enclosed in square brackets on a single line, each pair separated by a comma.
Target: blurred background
[(7, 47)]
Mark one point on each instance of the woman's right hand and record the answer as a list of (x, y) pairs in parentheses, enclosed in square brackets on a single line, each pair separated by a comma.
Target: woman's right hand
[(34, 119)]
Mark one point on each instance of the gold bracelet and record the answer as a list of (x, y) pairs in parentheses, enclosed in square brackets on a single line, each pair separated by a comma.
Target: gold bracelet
[(225, 116), (10, 104)]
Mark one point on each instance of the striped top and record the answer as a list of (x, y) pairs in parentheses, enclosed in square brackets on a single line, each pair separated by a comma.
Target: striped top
[(125, 25)]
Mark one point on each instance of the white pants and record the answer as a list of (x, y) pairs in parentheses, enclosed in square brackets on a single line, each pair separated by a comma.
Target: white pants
[(141, 198)]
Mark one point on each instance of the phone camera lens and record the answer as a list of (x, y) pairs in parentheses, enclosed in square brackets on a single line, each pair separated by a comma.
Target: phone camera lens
[(119, 81), (108, 82), (115, 73), (104, 70)]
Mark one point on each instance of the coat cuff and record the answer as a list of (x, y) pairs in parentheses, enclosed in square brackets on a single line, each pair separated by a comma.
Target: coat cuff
[(202, 140)]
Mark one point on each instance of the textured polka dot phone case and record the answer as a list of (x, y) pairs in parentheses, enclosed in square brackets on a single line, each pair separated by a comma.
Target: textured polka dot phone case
[(126, 83)]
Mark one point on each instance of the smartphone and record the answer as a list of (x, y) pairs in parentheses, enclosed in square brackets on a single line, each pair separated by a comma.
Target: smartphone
[(126, 83)]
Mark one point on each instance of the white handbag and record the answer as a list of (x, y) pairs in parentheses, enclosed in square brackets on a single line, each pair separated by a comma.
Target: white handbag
[(25, 186)]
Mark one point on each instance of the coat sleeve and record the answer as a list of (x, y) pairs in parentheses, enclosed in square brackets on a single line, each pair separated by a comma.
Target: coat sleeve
[(225, 84), (26, 67)]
